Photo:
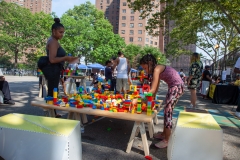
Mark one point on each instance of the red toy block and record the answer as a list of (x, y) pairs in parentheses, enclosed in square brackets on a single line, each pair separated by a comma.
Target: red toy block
[(120, 110), (149, 98), (79, 106)]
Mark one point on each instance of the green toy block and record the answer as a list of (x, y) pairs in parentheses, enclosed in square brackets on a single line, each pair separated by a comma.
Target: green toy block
[(148, 94)]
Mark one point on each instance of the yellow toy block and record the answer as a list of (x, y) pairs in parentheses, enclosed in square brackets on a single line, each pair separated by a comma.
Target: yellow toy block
[(133, 88), (50, 102)]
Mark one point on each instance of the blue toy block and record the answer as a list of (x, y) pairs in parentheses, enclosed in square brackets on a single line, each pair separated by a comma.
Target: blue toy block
[(48, 98), (94, 107), (72, 105)]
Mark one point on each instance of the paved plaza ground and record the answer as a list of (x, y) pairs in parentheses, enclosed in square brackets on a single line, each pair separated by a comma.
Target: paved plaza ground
[(106, 138)]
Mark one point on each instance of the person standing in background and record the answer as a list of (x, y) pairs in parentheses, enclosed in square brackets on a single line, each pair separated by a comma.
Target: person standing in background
[(57, 57), (108, 73), (114, 75), (206, 80), (123, 69), (195, 74)]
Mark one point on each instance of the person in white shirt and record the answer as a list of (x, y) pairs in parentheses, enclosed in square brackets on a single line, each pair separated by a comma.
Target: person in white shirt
[(237, 70), (123, 69)]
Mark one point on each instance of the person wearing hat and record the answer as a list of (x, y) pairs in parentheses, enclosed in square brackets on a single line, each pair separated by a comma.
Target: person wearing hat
[(206, 80), (4, 87)]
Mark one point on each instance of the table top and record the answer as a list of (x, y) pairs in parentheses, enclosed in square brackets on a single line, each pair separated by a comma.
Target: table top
[(76, 77), (143, 117)]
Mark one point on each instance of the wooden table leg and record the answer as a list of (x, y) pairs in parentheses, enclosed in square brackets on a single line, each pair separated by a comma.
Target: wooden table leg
[(40, 90), (156, 119), (70, 115), (84, 118), (52, 113), (130, 143), (144, 139), (141, 126), (151, 129)]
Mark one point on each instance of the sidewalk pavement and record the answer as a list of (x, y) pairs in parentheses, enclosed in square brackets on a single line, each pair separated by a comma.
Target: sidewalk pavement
[(106, 138)]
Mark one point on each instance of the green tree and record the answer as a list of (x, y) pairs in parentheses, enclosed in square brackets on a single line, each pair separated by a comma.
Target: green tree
[(20, 30), (88, 34), (131, 51), (161, 58), (204, 23), (173, 10), (5, 61)]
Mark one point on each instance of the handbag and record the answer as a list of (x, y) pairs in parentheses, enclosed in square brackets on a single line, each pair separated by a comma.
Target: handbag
[(43, 61)]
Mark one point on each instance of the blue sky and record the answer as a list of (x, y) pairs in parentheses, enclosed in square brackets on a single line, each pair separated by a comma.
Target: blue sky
[(61, 6)]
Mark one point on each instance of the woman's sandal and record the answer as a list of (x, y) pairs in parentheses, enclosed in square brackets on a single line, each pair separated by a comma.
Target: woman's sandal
[(159, 136), (162, 144)]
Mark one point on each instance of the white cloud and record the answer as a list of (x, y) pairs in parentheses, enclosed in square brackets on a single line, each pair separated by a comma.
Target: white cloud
[(61, 6)]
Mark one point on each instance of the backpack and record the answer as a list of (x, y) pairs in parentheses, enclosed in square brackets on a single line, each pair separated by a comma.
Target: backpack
[(43, 61)]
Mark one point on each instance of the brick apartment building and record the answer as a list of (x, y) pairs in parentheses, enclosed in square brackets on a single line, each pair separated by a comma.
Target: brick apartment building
[(131, 27), (128, 24), (34, 5)]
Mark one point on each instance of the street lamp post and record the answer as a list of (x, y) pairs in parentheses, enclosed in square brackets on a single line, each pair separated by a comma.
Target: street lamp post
[(217, 56)]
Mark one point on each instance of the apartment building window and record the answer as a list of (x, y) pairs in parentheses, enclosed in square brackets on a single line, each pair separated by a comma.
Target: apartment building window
[(140, 18), (147, 40), (140, 24), (131, 25), (123, 24), (124, 11), (131, 39), (101, 7), (117, 18), (131, 32), (139, 31), (123, 17), (107, 12), (139, 39), (132, 11), (151, 42), (155, 43), (108, 1), (132, 18), (124, 4), (123, 31)]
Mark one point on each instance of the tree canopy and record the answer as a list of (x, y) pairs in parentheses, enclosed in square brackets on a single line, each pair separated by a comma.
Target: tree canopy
[(89, 34), (20, 30), (203, 22)]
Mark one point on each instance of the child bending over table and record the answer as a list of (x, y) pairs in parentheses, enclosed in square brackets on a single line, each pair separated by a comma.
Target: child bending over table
[(175, 90)]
